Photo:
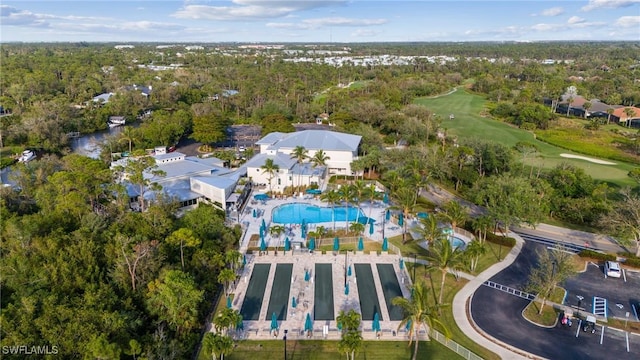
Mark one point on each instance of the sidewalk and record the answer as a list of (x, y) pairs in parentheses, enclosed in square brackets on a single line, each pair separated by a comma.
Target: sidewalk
[(463, 318)]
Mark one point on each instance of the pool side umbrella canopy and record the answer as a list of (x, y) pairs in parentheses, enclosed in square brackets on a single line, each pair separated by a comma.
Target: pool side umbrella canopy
[(244, 260), (408, 326), (229, 302), (371, 228), (401, 263), (274, 321), (306, 275), (387, 215), (376, 322), (263, 245), (385, 245), (360, 244), (287, 244), (400, 219), (255, 214), (385, 198), (336, 244), (303, 229), (346, 289), (308, 324), (349, 271), (263, 225), (312, 244), (294, 303)]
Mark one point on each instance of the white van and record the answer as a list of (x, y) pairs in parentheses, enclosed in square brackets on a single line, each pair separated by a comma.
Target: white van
[(612, 269)]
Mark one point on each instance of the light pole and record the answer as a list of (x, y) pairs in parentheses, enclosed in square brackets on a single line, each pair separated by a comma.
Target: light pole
[(415, 265), (580, 298), (285, 343)]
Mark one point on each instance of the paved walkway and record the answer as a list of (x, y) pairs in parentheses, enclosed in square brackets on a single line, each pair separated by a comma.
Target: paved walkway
[(463, 318)]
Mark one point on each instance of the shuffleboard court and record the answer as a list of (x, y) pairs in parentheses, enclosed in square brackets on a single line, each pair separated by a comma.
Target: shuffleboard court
[(369, 304), (280, 292), (391, 289), (323, 299), (252, 303)]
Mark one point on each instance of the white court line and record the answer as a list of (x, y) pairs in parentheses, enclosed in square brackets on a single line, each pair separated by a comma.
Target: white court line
[(627, 334), (578, 329), (601, 335)]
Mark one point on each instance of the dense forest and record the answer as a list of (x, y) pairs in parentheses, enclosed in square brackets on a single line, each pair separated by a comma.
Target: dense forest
[(81, 272)]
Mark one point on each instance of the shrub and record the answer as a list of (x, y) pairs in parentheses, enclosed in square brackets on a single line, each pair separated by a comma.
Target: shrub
[(633, 262), (597, 255), (501, 240)]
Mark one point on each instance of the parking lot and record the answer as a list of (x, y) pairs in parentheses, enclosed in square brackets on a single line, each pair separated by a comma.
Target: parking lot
[(605, 296), (613, 341)]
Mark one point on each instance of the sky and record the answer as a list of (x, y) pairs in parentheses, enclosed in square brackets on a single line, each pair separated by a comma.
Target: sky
[(283, 21)]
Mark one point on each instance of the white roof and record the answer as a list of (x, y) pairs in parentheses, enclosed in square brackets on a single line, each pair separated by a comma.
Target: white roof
[(271, 138), (315, 140), (283, 161)]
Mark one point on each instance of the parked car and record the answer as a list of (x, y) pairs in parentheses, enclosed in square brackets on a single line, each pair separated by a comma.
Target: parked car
[(612, 269)]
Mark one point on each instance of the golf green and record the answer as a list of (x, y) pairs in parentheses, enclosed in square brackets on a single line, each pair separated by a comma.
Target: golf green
[(252, 303), (323, 299), (279, 299), (391, 289), (369, 304)]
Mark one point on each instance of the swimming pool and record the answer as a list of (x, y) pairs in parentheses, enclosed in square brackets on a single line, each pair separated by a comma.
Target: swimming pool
[(457, 242), (296, 212)]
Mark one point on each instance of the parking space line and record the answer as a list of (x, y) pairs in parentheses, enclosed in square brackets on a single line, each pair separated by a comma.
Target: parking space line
[(624, 275), (634, 311), (578, 329), (601, 334), (627, 335)]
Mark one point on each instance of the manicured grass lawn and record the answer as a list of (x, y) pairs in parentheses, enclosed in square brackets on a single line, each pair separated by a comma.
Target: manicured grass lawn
[(468, 122), (549, 315), (320, 350)]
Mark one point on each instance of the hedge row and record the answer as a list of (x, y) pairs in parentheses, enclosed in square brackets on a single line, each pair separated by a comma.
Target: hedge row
[(501, 240), (597, 255), (633, 262)]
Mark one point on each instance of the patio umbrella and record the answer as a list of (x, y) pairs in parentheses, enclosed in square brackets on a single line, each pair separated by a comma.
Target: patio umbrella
[(387, 215), (263, 245), (312, 244), (244, 260), (255, 214), (336, 244), (376, 322), (346, 289), (306, 275), (401, 263), (385, 198), (349, 271), (401, 219), (308, 324), (240, 325), (293, 302), (408, 326), (263, 226), (229, 302), (371, 228), (287, 244), (385, 244), (360, 244), (274, 321)]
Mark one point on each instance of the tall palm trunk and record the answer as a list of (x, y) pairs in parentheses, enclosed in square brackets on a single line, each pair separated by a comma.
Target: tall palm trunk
[(415, 346)]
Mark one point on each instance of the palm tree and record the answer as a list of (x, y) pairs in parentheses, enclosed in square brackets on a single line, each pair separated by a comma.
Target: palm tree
[(372, 195), (586, 106), (319, 158), (216, 344), (430, 230), (349, 320), (569, 101), (454, 213), (128, 135), (482, 225), (419, 314), (406, 197), (332, 198), (300, 154), (359, 192), (444, 257), (350, 343), (225, 277), (347, 195), (629, 112), (232, 258), (225, 320), (473, 251), (270, 168), (609, 113)]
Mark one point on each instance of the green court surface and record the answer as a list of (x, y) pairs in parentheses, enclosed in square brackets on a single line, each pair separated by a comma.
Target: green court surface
[(391, 289), (323, 299), (369, 304), (255, 292), (279, 299)]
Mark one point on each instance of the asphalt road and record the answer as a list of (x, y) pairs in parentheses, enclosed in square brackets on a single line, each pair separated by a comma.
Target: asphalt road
[(500, 315)]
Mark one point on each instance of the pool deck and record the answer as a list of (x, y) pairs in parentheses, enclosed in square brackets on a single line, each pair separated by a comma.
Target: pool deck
[(304, 293), (251, 225)]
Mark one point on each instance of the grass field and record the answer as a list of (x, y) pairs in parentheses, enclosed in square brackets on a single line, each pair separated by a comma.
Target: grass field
[(469, 122)]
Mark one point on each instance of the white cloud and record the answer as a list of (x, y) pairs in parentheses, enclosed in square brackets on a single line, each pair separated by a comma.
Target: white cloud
[(10, 15), (610, 4), (364, 33), (575, 20), (307, 24), (554, 11), (250, 9), (628, 21)]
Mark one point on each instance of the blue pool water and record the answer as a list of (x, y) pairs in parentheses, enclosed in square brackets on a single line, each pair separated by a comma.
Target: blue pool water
[(457, 242), (295, 213)]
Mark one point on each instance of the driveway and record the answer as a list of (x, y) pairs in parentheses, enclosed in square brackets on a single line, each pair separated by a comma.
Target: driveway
[(500, 315)]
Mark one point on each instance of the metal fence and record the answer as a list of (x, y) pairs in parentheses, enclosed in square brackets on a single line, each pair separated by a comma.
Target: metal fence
[(454, 346)]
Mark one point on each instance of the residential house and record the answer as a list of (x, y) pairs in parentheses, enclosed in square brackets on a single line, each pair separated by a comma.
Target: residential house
[(632, 120)]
